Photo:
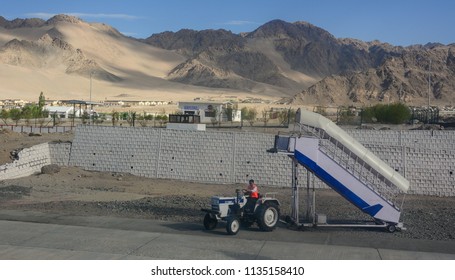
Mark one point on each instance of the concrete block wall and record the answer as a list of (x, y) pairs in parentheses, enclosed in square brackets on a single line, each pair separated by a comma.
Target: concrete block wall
[(196, 156), (233, 157), (133, 150), (253, 162), (425, 158), (431, 139), (218, 157), (30, 161), (236, 157), (376, 137), (60, 153), (432, 172)]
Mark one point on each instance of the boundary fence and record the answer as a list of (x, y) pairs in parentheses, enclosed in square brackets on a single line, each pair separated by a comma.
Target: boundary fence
[(37, 129)]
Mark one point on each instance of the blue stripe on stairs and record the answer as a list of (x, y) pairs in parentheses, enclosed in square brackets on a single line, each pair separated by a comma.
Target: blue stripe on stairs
[(372, 210)]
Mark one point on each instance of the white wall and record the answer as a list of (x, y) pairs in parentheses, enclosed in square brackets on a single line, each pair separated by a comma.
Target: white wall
[(425, 158), (30, 161), (235, 157)]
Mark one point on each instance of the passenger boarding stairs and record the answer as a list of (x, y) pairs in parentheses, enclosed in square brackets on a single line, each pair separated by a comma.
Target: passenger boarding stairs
[(346, 166)]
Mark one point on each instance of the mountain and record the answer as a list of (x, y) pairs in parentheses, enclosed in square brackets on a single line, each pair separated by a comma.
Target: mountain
[(50, 52), (62, 56), (301, 57), (280, 61), (413, 75), (221, 59)]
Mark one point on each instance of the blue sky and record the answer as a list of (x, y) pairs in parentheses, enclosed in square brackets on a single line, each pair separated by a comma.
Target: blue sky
[(399, 22)]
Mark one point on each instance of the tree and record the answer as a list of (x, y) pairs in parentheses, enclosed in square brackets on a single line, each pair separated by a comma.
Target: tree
[(41, 101), (144, 118), (396, 113), (27, 113), (228, 110), (162, 119), (115, 117), (214, 115), (130, 117), (243, 114), (286, 116), (85, 117), (252, 114), (15, 114), (4, 115), (32, 111), (249, 114), (265, 116)]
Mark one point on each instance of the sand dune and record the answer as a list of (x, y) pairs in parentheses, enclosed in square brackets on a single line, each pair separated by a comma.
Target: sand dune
[(119, 53), (141, 68)]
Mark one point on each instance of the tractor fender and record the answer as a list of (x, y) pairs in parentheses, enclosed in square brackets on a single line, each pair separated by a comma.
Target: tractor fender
[(270, 200)]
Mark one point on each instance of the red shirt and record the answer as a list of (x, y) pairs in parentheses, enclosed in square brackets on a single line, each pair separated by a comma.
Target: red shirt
[(254, 191)]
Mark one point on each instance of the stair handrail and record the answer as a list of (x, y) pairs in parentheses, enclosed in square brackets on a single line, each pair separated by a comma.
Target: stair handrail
[(318, 122)]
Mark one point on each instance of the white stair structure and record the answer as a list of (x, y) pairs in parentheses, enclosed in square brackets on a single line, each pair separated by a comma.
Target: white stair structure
[(346, 166)]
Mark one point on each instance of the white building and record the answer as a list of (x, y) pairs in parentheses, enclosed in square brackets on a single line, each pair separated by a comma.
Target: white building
[(208, 111), (64, 111)]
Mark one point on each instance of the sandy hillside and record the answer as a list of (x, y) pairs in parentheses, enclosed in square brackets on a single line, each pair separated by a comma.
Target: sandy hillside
[(141, 69), (113, 50)]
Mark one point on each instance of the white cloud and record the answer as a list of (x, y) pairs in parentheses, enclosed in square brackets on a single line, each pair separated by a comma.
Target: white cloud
[(86, 15), (40, 15)]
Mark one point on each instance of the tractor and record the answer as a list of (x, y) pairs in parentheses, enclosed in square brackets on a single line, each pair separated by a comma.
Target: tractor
[(242, 210)]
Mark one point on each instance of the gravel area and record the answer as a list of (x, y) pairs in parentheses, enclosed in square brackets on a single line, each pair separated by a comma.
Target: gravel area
[(74, 191), (424, 217)]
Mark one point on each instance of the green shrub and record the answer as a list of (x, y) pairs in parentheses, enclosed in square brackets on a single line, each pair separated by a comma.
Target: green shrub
[(396, 113)]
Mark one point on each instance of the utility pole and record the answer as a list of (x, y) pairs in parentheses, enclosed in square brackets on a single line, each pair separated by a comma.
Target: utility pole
[(429, 83), (91, 106), (429, 89)]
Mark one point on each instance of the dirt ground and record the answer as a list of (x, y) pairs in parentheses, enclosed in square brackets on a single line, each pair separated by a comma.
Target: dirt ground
[(74, 191)]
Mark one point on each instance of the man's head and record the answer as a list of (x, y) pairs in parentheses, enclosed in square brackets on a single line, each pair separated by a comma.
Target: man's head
[(251, 181)]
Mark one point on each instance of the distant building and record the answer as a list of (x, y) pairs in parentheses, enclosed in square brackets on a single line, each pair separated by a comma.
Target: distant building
[(113, 103), (208, 111), (13, 103), (64, 112)]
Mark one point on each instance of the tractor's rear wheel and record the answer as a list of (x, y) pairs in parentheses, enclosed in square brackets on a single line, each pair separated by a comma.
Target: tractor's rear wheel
[(210, 222), (233, 225), (268, 216)]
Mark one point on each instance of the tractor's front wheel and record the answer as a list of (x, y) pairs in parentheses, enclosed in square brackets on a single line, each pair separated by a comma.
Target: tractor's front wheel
[(233, 225), (210, 222), (268, 216)]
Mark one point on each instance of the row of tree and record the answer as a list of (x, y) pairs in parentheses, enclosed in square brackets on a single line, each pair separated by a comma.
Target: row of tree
[(396, 113), (28, 112), (132, 117)]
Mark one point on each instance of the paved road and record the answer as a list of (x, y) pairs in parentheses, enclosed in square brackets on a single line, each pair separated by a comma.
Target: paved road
[(33, 235)]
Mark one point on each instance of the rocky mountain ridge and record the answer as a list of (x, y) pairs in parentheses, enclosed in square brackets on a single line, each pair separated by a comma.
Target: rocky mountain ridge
[(296, 62), (50, 52), (340, 71)]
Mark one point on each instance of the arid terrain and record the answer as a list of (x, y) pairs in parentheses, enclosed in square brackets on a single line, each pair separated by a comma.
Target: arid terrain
[(73, 191), (279, 62)]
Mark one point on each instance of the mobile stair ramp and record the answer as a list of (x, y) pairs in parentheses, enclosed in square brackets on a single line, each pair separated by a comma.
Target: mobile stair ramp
[(347, 167)]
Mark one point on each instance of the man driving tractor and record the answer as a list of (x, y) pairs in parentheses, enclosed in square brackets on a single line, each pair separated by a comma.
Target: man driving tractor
[(253, 192), (246, 208)]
